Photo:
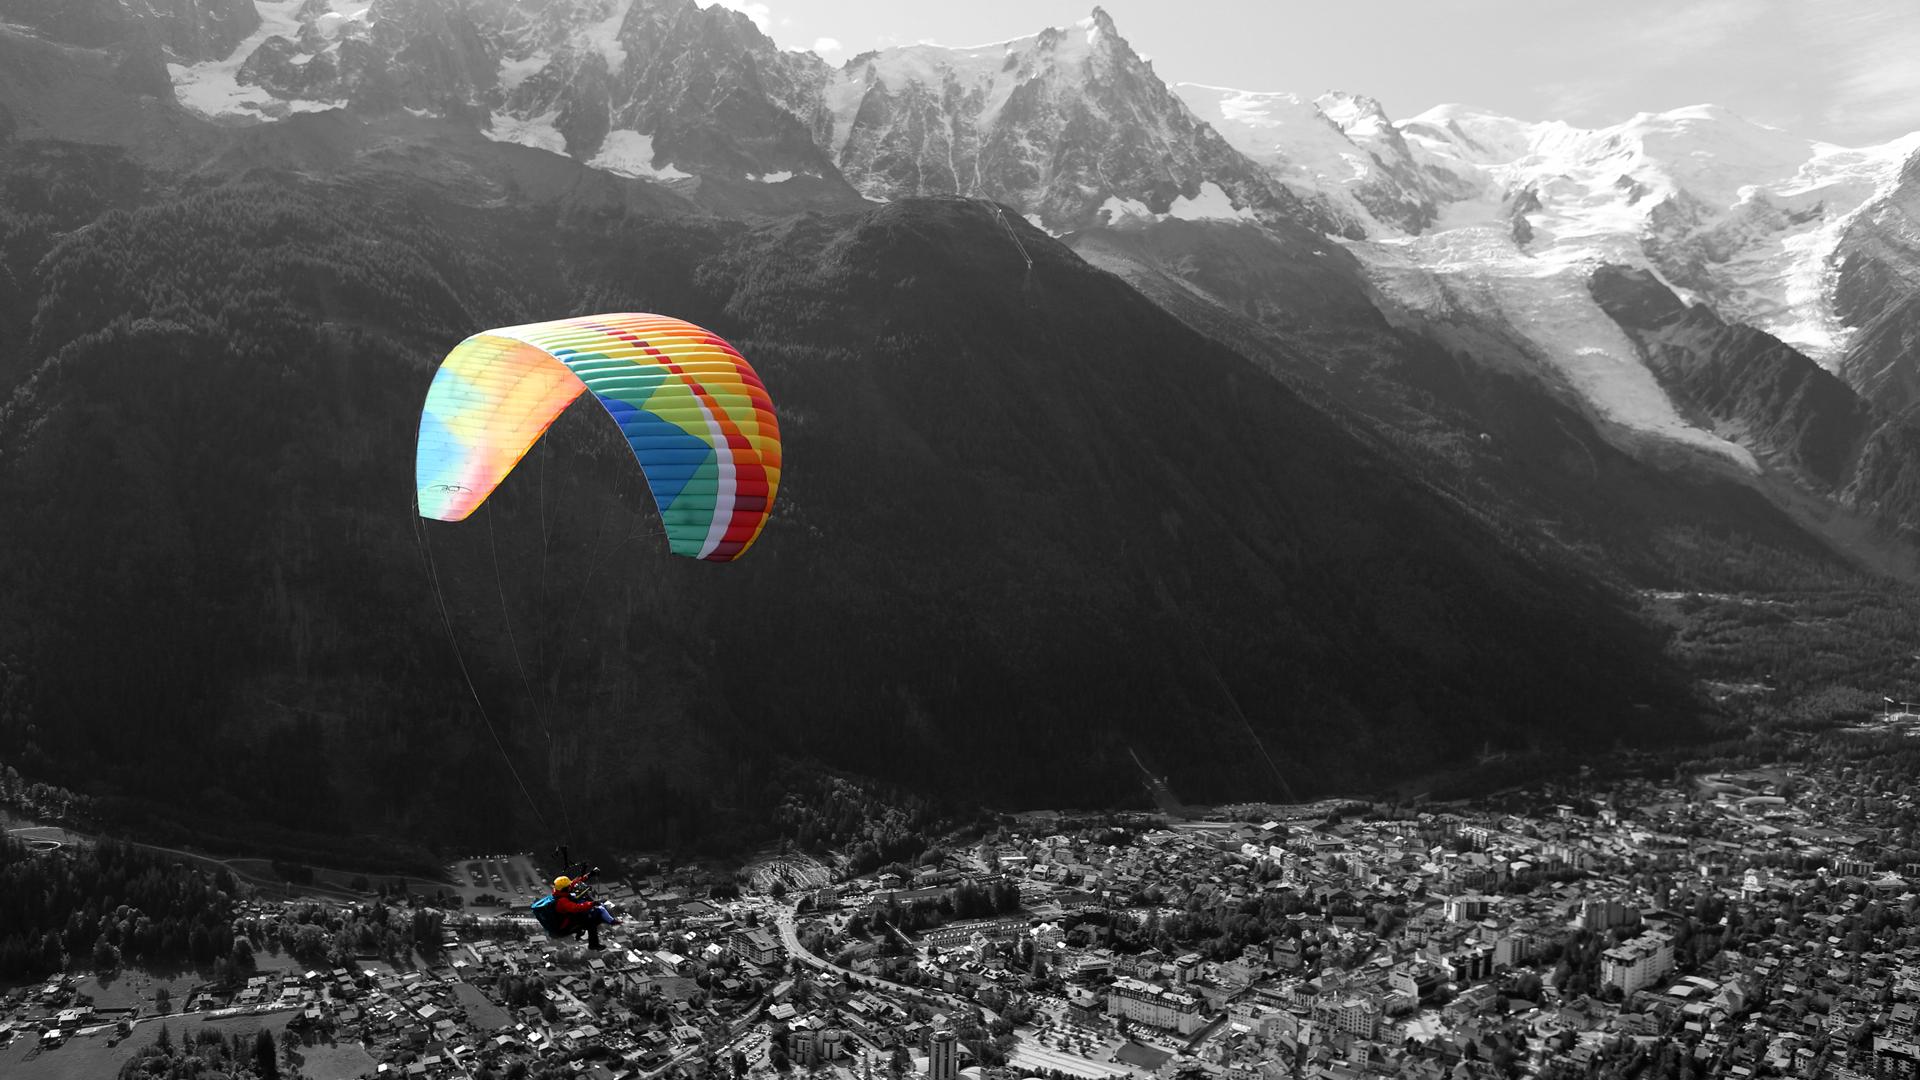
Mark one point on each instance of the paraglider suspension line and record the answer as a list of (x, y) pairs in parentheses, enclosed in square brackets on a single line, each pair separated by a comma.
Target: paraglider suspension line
[(1011, 235), (1214, 669), (546, 451), (446, 621), (506, 616)]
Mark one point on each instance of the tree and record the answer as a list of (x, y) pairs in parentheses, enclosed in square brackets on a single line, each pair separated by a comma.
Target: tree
[(162, 1000), (266, 1062)]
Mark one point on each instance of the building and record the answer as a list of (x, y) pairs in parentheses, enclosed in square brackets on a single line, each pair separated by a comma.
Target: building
[(1154, 1006), (1637, 963), (1893, 1060), (1358, 1016), (1468, 908), (1513, 948), (756, 945), (1288, 954), (960, 934), (1472, 1002), (813, 1047), (1082, 1006), (1472, 963), (1416, 981), (1090, 966), (1183, 967), (1607, 914), (943, 1056)]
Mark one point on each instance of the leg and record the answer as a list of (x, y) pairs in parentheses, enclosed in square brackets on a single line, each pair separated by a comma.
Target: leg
[(593, 935)]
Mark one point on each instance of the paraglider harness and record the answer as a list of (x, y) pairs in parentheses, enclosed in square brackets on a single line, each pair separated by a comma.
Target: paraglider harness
[(558, 923)]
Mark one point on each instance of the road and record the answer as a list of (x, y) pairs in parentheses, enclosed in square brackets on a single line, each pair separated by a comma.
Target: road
[(192, 856), (789, 937), (1193, 1043), (251, 878), (273, 885)]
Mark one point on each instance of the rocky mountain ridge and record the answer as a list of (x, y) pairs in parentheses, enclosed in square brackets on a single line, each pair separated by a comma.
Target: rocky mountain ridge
[(1070, 125), (1773, 398), (189, 31), (1458, 210), (1477, 230)]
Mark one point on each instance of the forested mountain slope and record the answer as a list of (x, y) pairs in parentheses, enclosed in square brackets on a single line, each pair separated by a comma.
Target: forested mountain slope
[(1029, 521)]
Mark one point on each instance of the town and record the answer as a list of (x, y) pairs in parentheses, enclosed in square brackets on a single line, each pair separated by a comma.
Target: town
[(1752, 923)]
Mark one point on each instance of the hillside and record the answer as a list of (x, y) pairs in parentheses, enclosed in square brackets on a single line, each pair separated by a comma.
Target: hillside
[(1029, 521)]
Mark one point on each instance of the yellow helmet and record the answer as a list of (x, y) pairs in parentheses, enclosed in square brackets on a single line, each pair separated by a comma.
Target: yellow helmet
[(563, 881)]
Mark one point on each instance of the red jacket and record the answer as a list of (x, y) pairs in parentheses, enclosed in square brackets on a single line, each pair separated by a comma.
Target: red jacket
[(567, 904)]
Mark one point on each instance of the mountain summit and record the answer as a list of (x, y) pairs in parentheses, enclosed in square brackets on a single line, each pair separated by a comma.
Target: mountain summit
[(1476, 232), (1069, 124)]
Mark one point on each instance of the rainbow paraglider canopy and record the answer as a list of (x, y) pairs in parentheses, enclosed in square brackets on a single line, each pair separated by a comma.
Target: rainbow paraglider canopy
[(698, 418)]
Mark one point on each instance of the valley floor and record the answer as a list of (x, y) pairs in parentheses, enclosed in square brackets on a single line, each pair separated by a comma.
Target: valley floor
[(1743, 913)]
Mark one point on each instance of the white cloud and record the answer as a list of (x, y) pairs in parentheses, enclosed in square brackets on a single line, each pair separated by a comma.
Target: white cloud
[(1868, 52), (1588, 101), (761, 15), (1682, 35), (1655, 52), (826, 46)]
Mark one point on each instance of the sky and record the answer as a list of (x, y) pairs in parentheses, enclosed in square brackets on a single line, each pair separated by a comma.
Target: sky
[(1842, 71)]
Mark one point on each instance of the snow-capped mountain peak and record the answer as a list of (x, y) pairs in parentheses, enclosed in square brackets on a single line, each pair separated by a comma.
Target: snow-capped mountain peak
[(1338, 153), (1361, 117), (1456, 209), (1734, 212), (1743, 216), (698, 88), (1070, 124)]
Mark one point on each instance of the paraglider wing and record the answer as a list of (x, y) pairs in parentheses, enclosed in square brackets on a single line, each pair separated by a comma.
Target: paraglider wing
[(697, 417)]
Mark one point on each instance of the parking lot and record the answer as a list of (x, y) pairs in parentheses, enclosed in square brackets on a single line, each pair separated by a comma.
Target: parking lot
[(512, 878)]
